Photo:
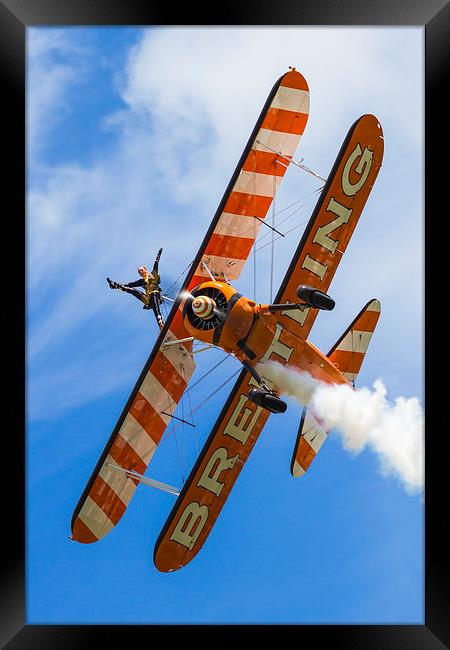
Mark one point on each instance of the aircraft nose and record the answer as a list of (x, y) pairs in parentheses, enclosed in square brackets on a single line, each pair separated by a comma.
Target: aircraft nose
[(203, 307)]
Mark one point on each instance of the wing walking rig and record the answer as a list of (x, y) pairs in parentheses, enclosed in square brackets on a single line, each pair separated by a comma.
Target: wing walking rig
[(209, 309)]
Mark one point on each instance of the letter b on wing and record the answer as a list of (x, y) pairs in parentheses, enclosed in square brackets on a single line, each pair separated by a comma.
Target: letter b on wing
[(190, 524)]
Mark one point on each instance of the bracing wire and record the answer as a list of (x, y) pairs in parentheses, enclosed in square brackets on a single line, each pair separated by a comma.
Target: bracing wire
[(272, 241), (209, 371), (286, 233), (175, 438), (307, 199), (183, 434), (217, 390), (257, 247), (166, 435), (177, 279), (169, 433), (197, 446)]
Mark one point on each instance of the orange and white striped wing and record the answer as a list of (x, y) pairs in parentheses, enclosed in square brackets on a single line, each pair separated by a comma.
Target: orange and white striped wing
[(225, 249), (255, 181), (135, 436)]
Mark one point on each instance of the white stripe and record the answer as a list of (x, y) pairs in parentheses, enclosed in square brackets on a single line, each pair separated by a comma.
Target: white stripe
[(259, 184), (118, 481), (375, 305), (137, 438), (291, 99), (351, 376), (95, 519), (355, 341), (237, 225), (157, 396), (229, 266), (180, 358), (315, 436), (284, 143), (297, 470)]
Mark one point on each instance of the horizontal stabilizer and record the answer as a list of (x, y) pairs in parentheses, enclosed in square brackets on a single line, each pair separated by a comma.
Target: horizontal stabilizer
[(349, 351), (310, 438), (347, 354)]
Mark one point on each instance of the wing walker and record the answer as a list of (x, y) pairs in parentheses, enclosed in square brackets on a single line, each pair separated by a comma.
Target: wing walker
[(208, 308)]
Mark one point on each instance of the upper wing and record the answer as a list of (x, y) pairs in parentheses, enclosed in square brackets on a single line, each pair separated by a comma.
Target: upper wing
[(224, 249), (241, 421), (255, 181), (334, 218)]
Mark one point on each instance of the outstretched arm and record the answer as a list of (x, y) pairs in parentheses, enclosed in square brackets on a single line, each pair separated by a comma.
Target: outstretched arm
[(155, 265)]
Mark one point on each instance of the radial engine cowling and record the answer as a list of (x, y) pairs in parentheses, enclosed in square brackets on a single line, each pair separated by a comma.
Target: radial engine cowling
[(216, 313)]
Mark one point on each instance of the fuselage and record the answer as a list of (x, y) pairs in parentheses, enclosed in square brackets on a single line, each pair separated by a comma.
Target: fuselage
[(251, 332)]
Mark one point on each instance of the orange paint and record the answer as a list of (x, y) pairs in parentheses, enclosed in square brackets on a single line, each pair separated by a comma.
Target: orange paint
[(81, 533), (250, 205), (264, 162), (294, 79), (229, 246), (249, 331), (277, 336), (277, 119), (238, 203), (107, 500), (151, 421)]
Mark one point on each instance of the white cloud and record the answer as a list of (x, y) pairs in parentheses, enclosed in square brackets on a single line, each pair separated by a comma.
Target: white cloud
[(187, 76), (54, 64), (192, 97)]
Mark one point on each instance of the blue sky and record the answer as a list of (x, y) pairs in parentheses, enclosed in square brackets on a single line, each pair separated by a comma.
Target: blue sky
[(132, 136)]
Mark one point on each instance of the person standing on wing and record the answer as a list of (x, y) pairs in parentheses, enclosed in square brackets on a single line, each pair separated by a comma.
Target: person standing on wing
[(151, 296)]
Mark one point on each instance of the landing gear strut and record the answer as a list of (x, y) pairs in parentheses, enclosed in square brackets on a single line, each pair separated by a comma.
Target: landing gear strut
[(264, 396)]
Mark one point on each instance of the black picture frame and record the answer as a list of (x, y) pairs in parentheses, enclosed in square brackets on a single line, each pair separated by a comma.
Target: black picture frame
[(15, 17)]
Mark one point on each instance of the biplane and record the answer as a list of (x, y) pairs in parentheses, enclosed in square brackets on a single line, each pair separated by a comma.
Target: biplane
[(209, 309)]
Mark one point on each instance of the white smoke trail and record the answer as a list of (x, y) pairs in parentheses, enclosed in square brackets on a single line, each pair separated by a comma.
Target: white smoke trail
[(362, 417)]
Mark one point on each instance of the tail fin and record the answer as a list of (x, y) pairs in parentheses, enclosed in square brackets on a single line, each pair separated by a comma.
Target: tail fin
[(347, 354)]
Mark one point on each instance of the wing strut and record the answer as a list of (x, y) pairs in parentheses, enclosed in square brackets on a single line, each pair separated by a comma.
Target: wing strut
[(146, 481), (167, 344)]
